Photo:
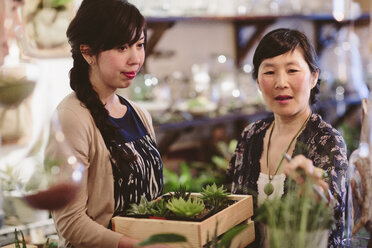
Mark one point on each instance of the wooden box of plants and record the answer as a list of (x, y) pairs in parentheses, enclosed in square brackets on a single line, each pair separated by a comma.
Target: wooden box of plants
[(199, 217)]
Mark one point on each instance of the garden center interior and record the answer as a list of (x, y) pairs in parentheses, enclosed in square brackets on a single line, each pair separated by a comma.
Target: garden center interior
[(196, 83)]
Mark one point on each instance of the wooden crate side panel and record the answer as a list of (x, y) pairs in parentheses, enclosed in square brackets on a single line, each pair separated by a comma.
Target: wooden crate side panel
[(227, 218), (143, 228), (244, 238)]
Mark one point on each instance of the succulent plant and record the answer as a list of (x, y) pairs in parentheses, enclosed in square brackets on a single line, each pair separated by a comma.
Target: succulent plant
[(214, 196), (159, 208), (143, 208), (182, 208), (181, 193)]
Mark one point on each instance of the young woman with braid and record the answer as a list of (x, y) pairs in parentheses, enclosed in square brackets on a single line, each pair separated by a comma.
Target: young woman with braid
[(112, 136), (286, 71)]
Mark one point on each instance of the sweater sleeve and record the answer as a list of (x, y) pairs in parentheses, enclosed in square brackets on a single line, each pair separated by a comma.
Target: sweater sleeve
[(72, 221)]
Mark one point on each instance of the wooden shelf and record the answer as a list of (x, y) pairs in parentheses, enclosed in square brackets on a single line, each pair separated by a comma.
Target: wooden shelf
[(237, 121), (159, 25), (251, 18)]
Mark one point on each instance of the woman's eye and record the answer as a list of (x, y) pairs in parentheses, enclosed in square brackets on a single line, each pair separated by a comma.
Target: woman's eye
[(292, 70), (122, 48), (142, 44), (269, 72)]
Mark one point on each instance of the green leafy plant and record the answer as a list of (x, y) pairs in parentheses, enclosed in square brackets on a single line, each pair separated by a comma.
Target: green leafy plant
[(189, 208), (196, 175), (226, 150), (227, 237), (289, 219), (143, 208), (214, 196), (192, 181)]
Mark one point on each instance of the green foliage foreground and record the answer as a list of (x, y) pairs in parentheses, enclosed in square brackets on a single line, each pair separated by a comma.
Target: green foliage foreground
[(290, 219)]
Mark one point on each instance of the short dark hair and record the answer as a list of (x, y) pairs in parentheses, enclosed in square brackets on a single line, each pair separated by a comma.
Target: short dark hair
[(283, 40)]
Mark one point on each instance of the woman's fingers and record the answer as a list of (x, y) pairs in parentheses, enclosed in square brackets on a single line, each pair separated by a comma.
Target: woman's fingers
[(323, 185), (297, 166), (300, 166)]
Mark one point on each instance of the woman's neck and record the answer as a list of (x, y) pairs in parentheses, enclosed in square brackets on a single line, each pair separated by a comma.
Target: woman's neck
[(106, 94), (290, 124)]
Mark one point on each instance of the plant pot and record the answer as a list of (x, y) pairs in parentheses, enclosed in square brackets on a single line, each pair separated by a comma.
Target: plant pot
[(196, 233), (279, 238)]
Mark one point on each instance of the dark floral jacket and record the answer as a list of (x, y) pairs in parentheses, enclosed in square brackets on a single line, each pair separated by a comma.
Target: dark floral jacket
[(319, 141)]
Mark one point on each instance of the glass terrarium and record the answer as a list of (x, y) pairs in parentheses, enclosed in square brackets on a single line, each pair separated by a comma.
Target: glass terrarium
[(26, 124)]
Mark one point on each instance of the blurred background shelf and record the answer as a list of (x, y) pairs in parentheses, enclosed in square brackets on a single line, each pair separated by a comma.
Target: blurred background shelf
[(159, 25), (229, 126)]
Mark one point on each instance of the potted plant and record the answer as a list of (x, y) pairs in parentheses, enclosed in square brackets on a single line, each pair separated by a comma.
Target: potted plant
[(192, 215), (297, 219), (181, 205)]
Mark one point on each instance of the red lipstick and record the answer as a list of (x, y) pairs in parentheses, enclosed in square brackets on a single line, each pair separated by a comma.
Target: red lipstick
[(130, 75)]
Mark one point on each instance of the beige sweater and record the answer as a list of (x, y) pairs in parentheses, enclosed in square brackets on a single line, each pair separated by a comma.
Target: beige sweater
[(83, 222)]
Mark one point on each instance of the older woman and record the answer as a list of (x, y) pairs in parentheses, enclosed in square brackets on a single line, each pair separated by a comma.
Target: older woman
[(287, 74)]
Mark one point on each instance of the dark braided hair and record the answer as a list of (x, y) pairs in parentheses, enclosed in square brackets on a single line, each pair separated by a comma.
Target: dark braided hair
[(102, 25), (281, 41)]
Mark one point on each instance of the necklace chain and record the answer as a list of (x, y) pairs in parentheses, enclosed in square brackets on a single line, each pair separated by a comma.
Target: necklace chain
[(281, 160)]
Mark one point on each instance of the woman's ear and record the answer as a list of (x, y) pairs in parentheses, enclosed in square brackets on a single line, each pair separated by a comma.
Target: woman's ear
[(87, 53), (315, 78), (258, 85)]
